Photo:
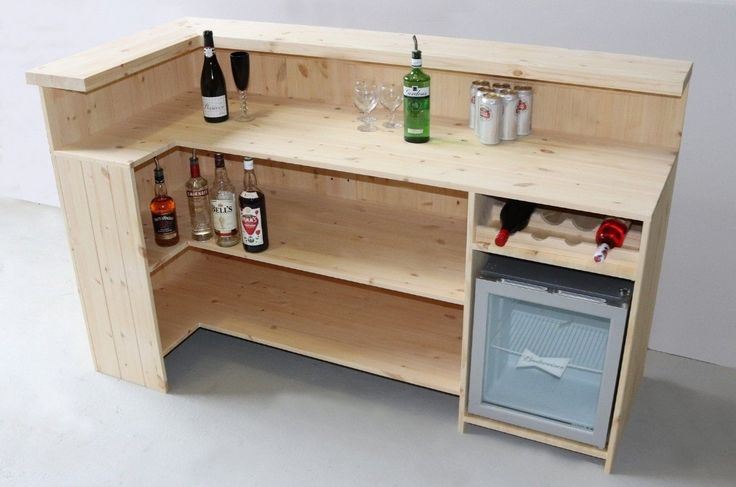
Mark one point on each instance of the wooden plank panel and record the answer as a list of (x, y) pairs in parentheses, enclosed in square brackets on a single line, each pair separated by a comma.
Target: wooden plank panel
[(577, 173), (388, 334), (132, 246), (610, 114), (110, 254), (82, 243), (640, 317), (110, 62), (537, 436)]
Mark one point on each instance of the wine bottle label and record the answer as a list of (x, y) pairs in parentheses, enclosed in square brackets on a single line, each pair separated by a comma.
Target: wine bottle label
[(165, 225), (209, 51), (224, 218), (252, 225), (416, 91), (214, 106)]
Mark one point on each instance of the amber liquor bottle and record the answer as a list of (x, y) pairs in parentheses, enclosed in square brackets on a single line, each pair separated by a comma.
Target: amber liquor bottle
[(163, 211)]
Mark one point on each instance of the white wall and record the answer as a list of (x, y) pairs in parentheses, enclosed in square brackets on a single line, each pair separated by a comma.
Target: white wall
[(696, 311)]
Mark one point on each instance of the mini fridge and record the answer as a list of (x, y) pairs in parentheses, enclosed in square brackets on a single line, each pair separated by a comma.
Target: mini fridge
[(546, 347)]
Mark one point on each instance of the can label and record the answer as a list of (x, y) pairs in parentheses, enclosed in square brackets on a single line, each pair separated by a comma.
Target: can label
[(524, 113)]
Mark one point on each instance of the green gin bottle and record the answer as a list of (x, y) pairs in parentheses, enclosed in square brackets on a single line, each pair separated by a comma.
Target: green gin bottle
[(416, 100)]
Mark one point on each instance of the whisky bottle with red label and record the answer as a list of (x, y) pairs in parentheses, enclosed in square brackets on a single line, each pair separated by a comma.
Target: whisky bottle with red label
[(254, 225)]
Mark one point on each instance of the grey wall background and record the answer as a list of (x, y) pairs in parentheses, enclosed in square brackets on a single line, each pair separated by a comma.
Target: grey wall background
[(696, 309)]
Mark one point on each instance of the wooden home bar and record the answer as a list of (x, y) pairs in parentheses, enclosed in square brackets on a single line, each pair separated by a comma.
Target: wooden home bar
[(375, 243)]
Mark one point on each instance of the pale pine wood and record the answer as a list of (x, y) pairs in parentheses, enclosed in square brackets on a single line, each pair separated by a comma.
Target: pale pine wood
[(640, 317), (119, 246), (133, 248), (366, 243), (119, 59), (97, 67), (563, 244), (577, 173), (387, 334), (87, 269), (594, 112), (537, 436), (74, 116), (474, 263)]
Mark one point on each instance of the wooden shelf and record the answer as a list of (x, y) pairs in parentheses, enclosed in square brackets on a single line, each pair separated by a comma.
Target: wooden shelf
[(408, 251), (558, 238), (574, 172), (381, 332)]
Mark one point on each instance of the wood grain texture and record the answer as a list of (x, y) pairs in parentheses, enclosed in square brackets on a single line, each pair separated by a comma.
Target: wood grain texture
[(594, 112), (118, 243), (640, 317), (116, 60), (73, 116), (387, 334), (97, 67), (557, 237), (577, 173), (87, 269), (536, 436)]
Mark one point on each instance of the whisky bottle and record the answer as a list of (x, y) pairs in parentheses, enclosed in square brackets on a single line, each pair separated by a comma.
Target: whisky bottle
[(253, 211), (163, 211), (224, 216), (416, 100), (198, 198)]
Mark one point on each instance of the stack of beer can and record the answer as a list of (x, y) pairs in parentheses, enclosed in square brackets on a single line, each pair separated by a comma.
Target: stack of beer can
[(498, 112)]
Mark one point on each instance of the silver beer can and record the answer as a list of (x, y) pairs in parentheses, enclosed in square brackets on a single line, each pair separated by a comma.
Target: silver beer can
[(509, 120), (473, 90), (490, 115), (499, 87), (479, 92), (524, 110)]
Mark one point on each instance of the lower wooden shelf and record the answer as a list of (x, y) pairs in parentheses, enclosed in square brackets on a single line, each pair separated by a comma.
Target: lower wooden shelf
[(407, 251), (385, 333)]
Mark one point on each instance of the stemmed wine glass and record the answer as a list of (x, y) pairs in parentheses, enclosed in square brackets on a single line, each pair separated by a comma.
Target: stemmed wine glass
[(365, 98), (240, 64), (391, 96)]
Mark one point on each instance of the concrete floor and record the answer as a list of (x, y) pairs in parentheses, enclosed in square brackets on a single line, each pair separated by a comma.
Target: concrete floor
[(245, 414)]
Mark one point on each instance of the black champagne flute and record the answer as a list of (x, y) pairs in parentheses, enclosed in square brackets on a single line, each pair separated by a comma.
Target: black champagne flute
[(240, 64)]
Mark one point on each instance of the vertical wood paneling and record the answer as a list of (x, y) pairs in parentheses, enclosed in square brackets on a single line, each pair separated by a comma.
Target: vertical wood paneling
[(135, 266), (82, 242), (110, 253)]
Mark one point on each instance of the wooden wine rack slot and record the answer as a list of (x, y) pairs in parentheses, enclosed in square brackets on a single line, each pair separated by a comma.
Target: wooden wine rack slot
[(555, 237), (384, 333)]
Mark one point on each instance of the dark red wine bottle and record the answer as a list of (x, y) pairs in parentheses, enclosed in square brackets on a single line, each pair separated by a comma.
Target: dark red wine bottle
[(610, 234), (253, 211), (212, 84), (514, 217)]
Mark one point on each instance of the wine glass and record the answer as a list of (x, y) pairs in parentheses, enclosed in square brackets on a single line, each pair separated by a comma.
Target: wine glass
[(365, 98), (240, 64), (361, 83), (391, 96)]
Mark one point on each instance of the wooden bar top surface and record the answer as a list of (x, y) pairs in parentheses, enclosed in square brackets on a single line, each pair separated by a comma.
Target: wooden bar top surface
[(110, 62)]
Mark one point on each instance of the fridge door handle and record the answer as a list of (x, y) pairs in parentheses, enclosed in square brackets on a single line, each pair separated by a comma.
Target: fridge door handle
[(524, 285), (590, 299)]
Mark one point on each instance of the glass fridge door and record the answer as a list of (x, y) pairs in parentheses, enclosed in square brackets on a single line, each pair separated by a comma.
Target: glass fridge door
[(545, 361)]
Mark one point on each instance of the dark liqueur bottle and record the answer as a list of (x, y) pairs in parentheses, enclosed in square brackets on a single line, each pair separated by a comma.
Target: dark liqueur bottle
[(253, 211), (212, 84)]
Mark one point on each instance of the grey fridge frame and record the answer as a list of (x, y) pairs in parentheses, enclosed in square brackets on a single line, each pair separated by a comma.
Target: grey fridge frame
[(618, 317)]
